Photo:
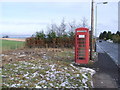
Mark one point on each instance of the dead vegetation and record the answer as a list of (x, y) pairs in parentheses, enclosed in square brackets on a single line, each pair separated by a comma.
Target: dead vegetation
[(37, 53), (43, 68)]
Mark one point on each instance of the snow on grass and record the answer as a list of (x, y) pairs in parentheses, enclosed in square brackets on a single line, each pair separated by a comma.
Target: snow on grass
[(46, 74), (38, 86)]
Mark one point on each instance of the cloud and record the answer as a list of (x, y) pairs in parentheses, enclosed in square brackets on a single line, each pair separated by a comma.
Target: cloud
[(23, 23), (20, 28)]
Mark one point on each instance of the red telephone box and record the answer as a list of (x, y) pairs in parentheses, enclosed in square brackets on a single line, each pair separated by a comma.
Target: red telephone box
[(82, 45)]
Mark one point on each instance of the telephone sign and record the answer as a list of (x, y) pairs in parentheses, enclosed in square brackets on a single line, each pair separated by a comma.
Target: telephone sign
[(82, 45)]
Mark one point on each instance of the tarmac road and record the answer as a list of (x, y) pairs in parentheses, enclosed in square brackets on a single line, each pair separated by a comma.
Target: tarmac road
[(107, 75), (111, 49)]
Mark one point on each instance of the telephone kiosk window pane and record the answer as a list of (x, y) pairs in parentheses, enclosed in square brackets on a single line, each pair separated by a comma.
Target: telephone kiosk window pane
[(81, 58), (81, 54), (82, 45), (82, 51), (82, 39), (81, 48)]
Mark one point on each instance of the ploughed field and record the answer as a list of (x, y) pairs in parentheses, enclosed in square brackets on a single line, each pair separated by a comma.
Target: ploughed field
[(43, 68)]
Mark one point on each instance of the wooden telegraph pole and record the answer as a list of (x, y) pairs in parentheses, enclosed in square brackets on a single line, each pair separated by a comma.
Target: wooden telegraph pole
[(92, 30)]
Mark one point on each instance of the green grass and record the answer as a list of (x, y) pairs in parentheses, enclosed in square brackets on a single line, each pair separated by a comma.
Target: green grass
[(10, 45)]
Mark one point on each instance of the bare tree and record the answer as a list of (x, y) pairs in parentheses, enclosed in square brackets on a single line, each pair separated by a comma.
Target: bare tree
[(84, 22), (52, 28), (58, 29), (61, 29), (72, 26)]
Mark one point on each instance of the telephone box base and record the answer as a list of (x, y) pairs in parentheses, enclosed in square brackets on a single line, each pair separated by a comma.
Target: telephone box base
[(83, 65)]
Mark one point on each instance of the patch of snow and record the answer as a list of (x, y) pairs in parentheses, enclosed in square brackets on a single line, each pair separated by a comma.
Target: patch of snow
[(3, 76), (44, 54), (44, 86), (21, 56), (52, 67), (71, 77), (43, 81), (19, 53), (84, 71), (26, 63), (47, 71), (67, 74), (51, 84), (52, 76), (73, 70), (3, 55), (26, 84), (65, 68), (88, 70), (18, 67), (78, 75), (38, 86), (55, 72), (45, 57), (15, 64), (36, 67), (12, 78), (64, 83), (84, 76), (25, 75), (73, 66), (42, 75), (84, 80), (34, 74), (14, 53), (5, 84), (15, 70), (47, 78), (13, 85)]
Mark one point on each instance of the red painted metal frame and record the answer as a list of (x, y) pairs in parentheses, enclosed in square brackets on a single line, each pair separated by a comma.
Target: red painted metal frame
[(78, 31)]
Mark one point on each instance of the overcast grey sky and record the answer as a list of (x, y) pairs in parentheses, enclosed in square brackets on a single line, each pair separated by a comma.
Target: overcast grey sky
[(29, 17)]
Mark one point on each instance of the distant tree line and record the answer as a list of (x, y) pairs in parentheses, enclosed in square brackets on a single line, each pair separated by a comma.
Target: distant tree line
[(6, 36), (57, 35), (112, 36)]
